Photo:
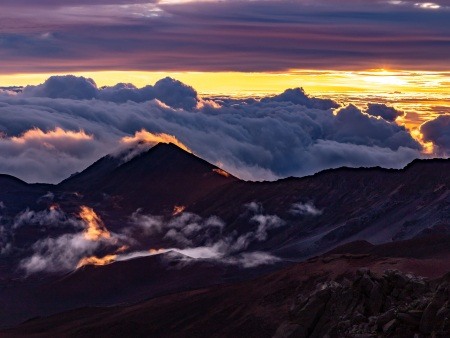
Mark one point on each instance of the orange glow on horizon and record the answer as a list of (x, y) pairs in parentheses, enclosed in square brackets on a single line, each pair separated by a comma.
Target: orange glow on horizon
[(240, 84)]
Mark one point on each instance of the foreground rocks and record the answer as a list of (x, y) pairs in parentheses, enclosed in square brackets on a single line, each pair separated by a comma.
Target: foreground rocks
[(365, 305)]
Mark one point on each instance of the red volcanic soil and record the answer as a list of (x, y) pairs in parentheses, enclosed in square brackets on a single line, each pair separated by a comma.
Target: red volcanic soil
[(247, 309)]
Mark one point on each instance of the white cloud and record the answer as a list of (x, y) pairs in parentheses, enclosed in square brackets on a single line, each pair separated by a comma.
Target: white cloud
[(305, 209)]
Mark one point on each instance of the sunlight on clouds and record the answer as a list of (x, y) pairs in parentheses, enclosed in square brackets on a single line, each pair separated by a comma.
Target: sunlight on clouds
[(427, 5), (46, 138), (428, 147), (152, 139), (421, 94)]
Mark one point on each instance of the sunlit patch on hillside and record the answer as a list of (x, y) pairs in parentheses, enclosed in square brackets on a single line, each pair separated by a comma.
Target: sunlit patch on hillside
[(221, 172), (178, 209), (95, 228), (93, 260)]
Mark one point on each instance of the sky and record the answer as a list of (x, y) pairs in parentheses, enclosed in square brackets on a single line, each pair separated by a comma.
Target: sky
[(231, 35), (387, 58)]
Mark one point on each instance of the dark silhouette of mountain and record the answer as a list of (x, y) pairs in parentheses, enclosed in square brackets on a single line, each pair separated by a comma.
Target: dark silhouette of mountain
[(155, 180), (354, 217)]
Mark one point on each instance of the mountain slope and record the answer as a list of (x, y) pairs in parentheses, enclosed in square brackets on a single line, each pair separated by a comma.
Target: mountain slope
[(373, 204), (155, 180), (261, 306)]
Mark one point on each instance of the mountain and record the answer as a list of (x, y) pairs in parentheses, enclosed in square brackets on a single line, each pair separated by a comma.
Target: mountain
[(323, 226), (156, 180), (16, 195), (374, 204)]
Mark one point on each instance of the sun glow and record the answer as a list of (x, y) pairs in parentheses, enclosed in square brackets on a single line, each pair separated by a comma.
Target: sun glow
[(384, 77)]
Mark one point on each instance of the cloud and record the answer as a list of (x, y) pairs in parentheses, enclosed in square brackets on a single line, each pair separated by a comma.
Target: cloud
[(148, 224), (66, 251), (184, 229), (47, 139), (252, 259), (38, 155), (254, 207), (65, 87), (143, 141), (266, 223), (167, 90), (123, 92), (305, 209), (199, 238), (176, 94), (45, 219), (388, 113), (58, 254), (438, 132), (298, 96), (354, 127)]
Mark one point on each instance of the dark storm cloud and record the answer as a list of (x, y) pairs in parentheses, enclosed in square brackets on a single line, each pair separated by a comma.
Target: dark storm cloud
[(228, 35), (379, 109), (298, 96), (49, 137), (169, 91), (438, 132)]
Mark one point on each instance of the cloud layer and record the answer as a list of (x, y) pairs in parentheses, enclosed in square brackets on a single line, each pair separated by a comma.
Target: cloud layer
[(55, 129)]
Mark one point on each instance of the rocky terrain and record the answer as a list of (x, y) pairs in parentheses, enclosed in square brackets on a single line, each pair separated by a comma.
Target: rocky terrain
[(340, 294), (391, 305)]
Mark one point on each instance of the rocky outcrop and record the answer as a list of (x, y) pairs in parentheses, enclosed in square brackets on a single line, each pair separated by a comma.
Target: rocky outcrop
[(391, 305)]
